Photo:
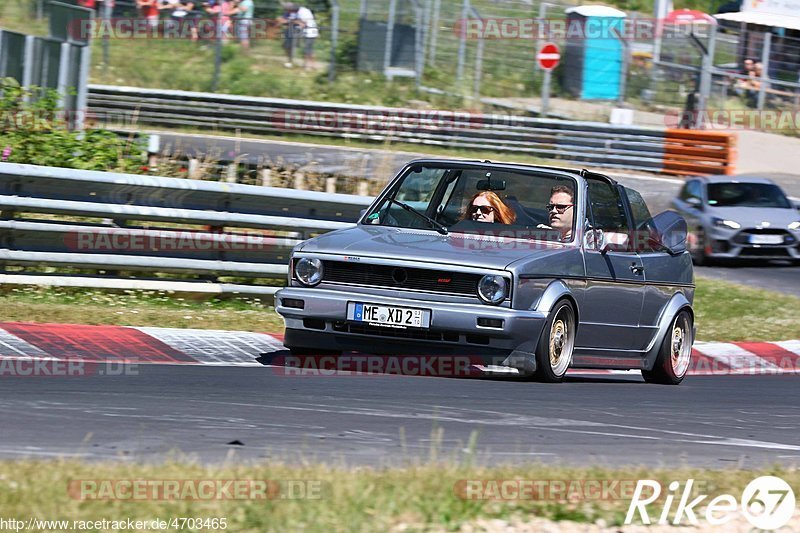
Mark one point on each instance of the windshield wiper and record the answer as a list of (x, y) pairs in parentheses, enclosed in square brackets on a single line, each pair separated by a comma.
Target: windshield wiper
[(436, 225)]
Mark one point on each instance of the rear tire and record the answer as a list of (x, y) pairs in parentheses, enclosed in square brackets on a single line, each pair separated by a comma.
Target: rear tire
[(675, 354), (554, 352)]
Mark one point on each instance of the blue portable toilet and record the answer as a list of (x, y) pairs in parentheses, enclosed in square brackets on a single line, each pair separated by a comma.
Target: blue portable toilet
[(593, 53)]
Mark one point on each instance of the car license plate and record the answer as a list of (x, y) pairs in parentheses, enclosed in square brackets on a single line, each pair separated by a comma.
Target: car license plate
[(766, 239), (388, 316)]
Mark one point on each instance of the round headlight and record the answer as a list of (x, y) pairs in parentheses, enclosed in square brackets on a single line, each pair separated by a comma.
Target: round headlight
[(308, 271), (492, 289)]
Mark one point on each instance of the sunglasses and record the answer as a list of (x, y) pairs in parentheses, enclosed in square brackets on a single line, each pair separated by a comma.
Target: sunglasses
[(483, 209), (558, 207)]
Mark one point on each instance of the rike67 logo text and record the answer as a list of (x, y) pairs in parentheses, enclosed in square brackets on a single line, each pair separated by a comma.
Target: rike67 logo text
[(767, 502)]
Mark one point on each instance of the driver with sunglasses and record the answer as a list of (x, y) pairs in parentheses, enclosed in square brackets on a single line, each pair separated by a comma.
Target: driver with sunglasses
[(560, 211)]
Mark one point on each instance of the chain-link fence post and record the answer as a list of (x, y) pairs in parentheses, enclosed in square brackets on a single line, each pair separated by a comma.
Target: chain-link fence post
[(762, 88), (217, 53), (540, 37), (426, 32), (106, 18), (476, 90), (462, 40), (623, 78), (705, 77), (334, 39), (387, 53), (434, 31)]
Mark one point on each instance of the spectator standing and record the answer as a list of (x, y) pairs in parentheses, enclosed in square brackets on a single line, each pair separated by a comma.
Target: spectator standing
[(183, 17), (149, 11), (221, 12), (310, 34), (291, 32), (245, 10)]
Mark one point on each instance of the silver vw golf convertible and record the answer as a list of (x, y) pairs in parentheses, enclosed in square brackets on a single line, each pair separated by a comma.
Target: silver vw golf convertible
[(530, 268)]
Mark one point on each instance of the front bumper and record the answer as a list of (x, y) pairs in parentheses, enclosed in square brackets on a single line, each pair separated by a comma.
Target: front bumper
[(322, 324), (728, 243)]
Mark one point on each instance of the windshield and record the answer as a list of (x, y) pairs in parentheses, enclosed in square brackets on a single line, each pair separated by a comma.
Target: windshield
[(746, 195), (487, 201)]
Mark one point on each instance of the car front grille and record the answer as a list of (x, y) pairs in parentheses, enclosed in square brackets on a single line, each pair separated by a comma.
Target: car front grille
[(765, 252), (420, 334), (743, 237), (394, 277)]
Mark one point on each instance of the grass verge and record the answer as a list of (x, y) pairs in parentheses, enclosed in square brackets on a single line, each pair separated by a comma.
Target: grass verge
[(730, 312), (419, 497), (135, 308), (721, 310)]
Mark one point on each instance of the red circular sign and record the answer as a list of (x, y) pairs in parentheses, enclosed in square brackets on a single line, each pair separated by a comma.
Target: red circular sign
[(548, 56)]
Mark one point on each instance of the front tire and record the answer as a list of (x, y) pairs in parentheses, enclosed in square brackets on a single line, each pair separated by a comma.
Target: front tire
[(554, 352), (675, 354)]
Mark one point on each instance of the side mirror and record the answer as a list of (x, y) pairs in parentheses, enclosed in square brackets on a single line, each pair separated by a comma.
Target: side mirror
[(697, 203), (362, 213), (672, 231), (595, 239)]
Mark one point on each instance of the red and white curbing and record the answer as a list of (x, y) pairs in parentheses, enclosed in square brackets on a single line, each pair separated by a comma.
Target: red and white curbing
[(121, 344)]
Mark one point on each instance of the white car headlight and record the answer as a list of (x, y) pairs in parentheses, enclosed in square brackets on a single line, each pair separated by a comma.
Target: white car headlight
[(308, 271), (492, 289), (794, 225), (730, 224)]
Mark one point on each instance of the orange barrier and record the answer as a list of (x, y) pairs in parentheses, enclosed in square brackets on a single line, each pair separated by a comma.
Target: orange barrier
[(694, 152)]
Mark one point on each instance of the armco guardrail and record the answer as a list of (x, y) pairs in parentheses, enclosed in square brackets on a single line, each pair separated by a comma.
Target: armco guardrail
[(610, 146), (196, 228)]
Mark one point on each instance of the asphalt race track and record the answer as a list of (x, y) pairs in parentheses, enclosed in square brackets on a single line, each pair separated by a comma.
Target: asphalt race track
[(717, 421)]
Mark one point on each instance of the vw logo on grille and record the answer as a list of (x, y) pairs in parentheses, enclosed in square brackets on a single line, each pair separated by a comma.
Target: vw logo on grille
[(399, 275)]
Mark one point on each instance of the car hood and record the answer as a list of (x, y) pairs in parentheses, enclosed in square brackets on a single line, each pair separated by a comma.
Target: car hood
[(479, 251), (752, 217)]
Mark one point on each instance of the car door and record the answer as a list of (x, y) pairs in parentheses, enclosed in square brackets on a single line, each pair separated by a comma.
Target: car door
[(664, 274), (614, 293)]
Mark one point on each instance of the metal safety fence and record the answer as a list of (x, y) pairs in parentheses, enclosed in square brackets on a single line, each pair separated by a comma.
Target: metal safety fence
[(667, 150), (97, 229)]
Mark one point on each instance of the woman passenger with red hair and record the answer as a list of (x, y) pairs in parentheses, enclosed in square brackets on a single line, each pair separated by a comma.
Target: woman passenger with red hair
[(486, 206)]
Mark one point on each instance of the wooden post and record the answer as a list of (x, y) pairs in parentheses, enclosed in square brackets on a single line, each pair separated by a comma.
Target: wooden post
[(299, 181), (330, 185), (363, 188), (194, 167), (266, 177), (231, 174)]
